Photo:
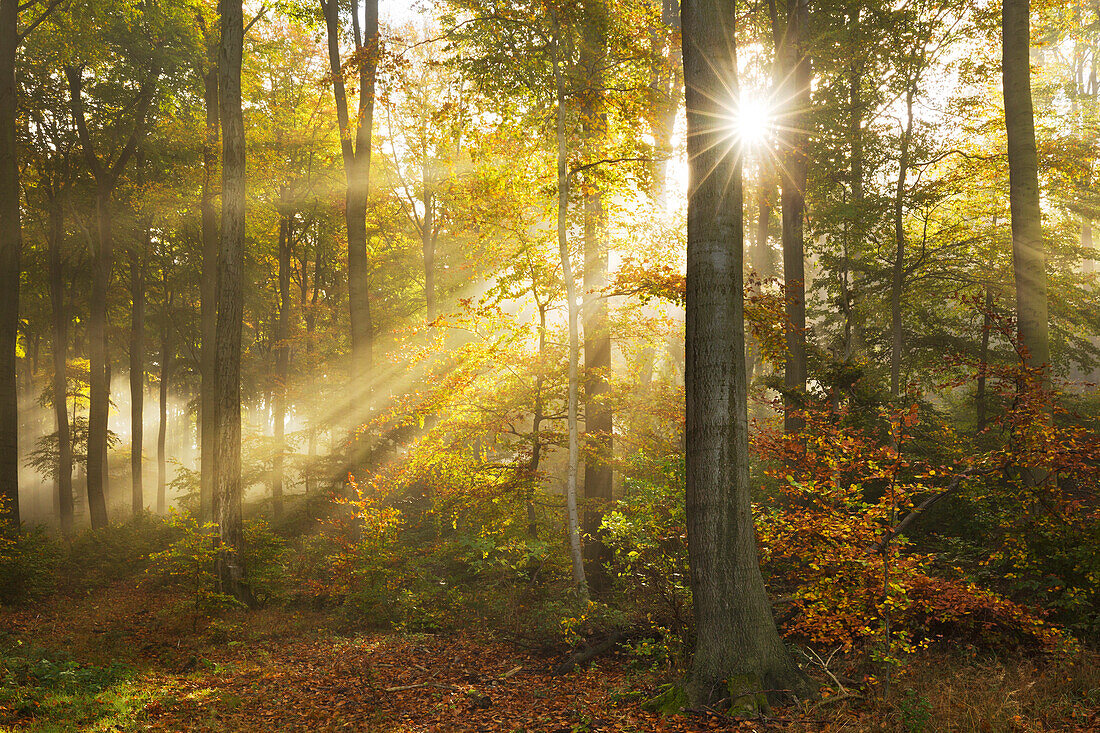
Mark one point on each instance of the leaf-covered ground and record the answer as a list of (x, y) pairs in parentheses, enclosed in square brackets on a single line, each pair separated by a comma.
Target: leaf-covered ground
[(128, 659)]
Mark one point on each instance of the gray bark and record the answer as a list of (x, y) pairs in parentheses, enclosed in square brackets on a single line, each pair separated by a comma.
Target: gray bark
[(598, 416), (137, 369), (1028, 248), (573, 520), (738, 650), (11, 245), (208, 284), (794, 65), (231, 578)]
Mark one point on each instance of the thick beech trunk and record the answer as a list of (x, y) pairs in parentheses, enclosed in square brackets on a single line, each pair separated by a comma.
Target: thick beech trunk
[(227, 375), (738, 651), (11, 245), (1028, 248)]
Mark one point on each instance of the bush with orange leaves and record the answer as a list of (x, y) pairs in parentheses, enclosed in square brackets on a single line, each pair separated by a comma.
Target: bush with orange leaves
[(848, 494)]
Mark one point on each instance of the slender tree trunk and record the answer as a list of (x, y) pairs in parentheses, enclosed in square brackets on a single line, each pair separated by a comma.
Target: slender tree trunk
[(738, 651), (427, 244), (573, 518), (162, 431), (99, 379), (355, 146), (537, 415), (282, 362), (227, 376), (1028, 248), (598, 416), (855, 227), (137, 370), (983, 361), (667, 83), (60, 369), (106, 176), (11, 245), (765, 203), (795, 69), (897, 279), (208, 288), (310, 307)]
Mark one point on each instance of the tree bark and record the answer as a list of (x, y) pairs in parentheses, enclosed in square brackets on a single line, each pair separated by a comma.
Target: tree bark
[(573, 519), (897, 279), (738, 651), (162, 430), (1028, 248), (667, 84), (60, 386), (106, 178), (356, 156), (231, 578), (795, 70), (980, 399), (137, 369), (598, 416), (282, 362), (208, 286), (428, 235), (11, 245)]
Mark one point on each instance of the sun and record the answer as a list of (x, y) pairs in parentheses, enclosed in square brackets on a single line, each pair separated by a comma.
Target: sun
[(752, 122)]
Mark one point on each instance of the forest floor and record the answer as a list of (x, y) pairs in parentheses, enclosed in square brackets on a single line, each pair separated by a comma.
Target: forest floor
[(134, 659)]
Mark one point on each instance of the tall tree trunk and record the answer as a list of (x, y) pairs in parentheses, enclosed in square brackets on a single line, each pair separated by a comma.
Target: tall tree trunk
[(794, 64), (137, 369), (60, 386), (355, 147), (309, 306), (208, 287), (282, 362), (227, 376), (854, 228), (1028, 249), (106, 175), (11, 245), (738, 651), (428, 241), (667, 84), (573, 519), (897, 279), (598, 416), (99, 393), (980, 399), (162, 429), (537, 415)]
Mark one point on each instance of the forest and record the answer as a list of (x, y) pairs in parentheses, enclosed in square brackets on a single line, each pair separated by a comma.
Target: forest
[(549, 365)]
